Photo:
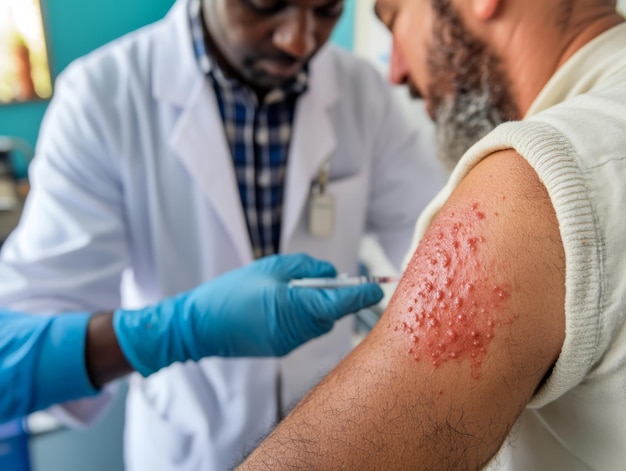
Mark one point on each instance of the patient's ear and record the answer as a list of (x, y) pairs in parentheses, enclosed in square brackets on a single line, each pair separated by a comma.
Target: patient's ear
[(485, 10)]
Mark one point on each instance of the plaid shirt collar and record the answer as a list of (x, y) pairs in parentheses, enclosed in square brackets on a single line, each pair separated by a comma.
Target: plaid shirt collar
[(259, 137), (296, 86)]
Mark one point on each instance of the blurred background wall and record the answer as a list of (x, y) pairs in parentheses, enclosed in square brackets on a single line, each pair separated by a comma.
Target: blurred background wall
[(73, 28)]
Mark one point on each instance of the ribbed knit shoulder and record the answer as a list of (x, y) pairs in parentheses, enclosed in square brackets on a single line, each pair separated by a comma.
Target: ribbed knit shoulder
[(555, 160), (552, 156)]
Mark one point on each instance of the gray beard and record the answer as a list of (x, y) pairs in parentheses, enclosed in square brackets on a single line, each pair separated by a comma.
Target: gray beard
[(463, 120)]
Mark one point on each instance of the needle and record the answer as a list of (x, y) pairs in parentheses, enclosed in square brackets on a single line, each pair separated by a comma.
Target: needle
[(341, 281)]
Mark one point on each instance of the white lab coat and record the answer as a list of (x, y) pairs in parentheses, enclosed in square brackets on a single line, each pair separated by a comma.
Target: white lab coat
[(133, 186)]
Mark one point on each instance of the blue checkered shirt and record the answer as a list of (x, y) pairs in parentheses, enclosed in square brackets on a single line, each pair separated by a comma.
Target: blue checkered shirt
[(259, 135)]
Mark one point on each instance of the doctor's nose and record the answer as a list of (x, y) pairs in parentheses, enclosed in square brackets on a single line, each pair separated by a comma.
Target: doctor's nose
[(399, 71), (296, 35)]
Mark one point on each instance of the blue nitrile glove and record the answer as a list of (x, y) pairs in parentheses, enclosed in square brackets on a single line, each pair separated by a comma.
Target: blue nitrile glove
[(250, 312)]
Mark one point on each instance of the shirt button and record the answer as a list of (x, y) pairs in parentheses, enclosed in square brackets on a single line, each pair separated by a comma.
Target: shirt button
[(264, 178), (262, 137), (285, 133)]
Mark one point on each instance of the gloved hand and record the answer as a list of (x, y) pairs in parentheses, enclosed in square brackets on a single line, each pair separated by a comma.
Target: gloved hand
[(249, 312)]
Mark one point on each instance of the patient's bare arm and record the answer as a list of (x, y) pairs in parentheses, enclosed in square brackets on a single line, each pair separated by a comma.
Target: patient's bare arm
[(475, 326)]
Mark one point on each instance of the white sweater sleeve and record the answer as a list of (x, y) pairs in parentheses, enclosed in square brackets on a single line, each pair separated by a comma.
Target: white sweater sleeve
[(551, 155)]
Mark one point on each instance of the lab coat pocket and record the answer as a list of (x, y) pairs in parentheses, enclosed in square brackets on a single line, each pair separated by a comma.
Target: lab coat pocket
[(350, 191), (148, 428), (349, 197)]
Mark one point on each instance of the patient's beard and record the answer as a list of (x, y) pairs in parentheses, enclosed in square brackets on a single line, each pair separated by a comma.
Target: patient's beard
[(471, 93)]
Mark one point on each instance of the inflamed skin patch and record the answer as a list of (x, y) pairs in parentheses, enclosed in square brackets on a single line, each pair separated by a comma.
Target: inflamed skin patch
[(449, 299)]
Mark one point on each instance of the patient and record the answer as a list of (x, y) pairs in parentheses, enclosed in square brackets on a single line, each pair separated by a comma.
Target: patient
[(503, 344)]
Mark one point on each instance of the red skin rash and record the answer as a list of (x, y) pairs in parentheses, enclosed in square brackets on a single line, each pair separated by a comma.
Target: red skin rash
[(447, 300)]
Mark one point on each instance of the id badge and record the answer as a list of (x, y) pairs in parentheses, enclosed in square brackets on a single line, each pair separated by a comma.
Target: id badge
[(321, 214)]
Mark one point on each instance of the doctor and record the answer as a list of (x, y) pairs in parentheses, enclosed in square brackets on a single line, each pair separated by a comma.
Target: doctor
[(248, 312), (221, 134)]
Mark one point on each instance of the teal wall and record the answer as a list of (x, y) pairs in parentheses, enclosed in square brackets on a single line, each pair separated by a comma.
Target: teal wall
[(75, 27), (344, 34)]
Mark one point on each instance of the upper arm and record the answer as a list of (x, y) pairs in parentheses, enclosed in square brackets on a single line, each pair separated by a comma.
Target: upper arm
[(472, 330), (69, 248)]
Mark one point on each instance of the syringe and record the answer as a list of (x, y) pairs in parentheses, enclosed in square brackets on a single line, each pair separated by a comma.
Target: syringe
[(341, 281)]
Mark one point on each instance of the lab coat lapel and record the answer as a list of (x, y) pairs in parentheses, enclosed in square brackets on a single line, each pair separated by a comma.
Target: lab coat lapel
[(313, 142), (200, 142), (198, 137)]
